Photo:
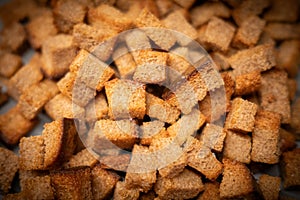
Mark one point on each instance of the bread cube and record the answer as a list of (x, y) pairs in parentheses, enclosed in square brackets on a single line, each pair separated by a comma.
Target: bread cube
[(237, 146), (220, 60), (9, 64), (290, 168), (118, 162), (186, 185), (265, 38), (124, 61), (287, 140), (241, 116), (229, 84), (247, 83), (269, 186), (211, 191), (97, 109), (122, 193), (9, 165), (283, 31), (57, 54), (38, 188), (13, 37), (213, 137), (83, 158), (265, 138), (132, 103), (137, 39), (151, 130), (174, 168)]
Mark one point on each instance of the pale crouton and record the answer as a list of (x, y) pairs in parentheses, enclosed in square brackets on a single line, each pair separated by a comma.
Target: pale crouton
[(9, 64), (124, 61), (150, 130), (9, 165), (96, 109), (137, 39), (213, 137), (269, 186)]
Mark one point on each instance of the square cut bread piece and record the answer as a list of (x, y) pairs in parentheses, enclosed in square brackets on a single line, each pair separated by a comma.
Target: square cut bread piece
[(213, 137), (83, 158), (9, 64), (247, 83), (151, 130), (38, 188), (211, 191), (269, 186), (13, 37), (175, 168), (121, 192), (96, 109)]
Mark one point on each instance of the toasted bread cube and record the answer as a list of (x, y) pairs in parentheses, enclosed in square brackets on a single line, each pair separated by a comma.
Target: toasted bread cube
[(103, 182), (61, 106), (9, 165), (248, 33), (212, 34), (13, 37), (157, 32), (82, 158), (262, 59), (150, 130), (290, 168), (213, 137), (237, 146), (220, 60), (283, 31), (67, 14), (32, 153), (241, 116), (287, 140), (186, 185), (66, 84), (269, 186), (136, 179), (237, 180), (265, 138), (109, 15), (124, 61), (59, 141), (108, 134), (247, 83), (280, 11), (25, 77), (137, 39), (38, 188), (160, 109), (57, 54), (211, 191), (97, 109), (122, 193), (202, 14), (13, 126), (72, 183), (90, 70), (174, 168), (35, 97), (117, 162), (203, 160), (132, 103), (271, 100), (9, 64), (40, 29), (249, 8), (151, 67), (176, 21), (288, 56)]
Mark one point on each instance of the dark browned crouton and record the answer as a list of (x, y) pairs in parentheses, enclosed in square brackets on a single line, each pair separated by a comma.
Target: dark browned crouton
[(38, 188), (287, 11), (211, 191)]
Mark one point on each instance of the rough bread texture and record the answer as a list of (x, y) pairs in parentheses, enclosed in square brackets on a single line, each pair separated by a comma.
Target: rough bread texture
[(121, 192), (213, 137), (124, 61), (96, 109), (43, 191), (270, 186), (151, 130), (290, 168), (82, 158), (211, 191)]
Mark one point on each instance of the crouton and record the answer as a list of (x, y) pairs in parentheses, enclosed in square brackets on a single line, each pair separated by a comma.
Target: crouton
[(109, 15), (9, 165), (203, 160), (186, 185), (137, 39), (150, 67), (213, 137), (247, 83), (260, 58), (32, 153), (9, 64), (287, 140), (147, 196), (72, 183), (290, 168), (13, 37), (117, 162), (283, 31), (124, 61), (211, 191), (295, 118), (150, 130), (83, 158), (13, 126), (135, 177), (40, 29), (67, 14), (280, 11), (288, 57), (59, 140), (103, 182), (265, 38), (211, 36), (265, 138), (97, 109), (165, 6), (237, 146), (35, 97), (132, 104), (174, 168), (248, 33), (122, 193), (271, 100), (156, 30), (38, 188), (61, 106), (57, 54), (66, 84), (241, 116), (202, 14), (229, 84), (220, 60), (269, 186)]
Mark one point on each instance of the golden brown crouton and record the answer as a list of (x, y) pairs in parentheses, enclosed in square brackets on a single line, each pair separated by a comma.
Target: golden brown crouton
[(9, 64), (265, 138), (280, 11), (265, 38), (185, 4), (213, 137), (82, 158), (186, 185), (13, 37), (38, 188), (211, 191), (247, 83), (132, 103), (237, 146), (283, 31), (9, 165), (13, 126), (96, 109), (57, 54), (122, 193), (269, 186), (237, 180), (290, 168), (174, 168), (241, 116)]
